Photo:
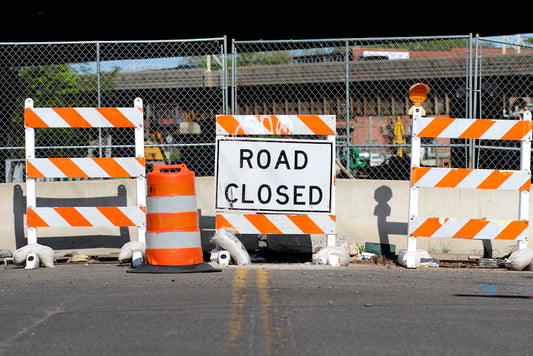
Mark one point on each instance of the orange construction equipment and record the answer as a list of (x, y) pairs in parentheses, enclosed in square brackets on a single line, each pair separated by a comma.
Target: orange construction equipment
[(172, 222)]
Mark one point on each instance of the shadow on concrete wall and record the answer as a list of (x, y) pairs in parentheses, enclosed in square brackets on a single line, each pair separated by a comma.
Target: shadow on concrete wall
[(385, 228), (207, 230)]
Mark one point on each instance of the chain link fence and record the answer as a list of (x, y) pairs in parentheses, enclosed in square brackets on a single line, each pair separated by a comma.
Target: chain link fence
[(365, 83), (184, 84), (503, 88)]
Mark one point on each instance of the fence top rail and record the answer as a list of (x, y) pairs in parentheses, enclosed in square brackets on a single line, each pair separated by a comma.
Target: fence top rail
[(507, 43), (365, 39), (111, 42)]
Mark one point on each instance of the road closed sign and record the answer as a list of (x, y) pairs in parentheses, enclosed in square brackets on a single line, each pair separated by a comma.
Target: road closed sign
[(274, 175)]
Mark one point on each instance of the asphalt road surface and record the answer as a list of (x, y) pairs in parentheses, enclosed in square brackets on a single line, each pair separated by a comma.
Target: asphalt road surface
[(265, 309)]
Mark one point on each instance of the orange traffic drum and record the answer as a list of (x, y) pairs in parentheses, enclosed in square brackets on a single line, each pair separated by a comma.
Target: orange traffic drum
[(172, 222)]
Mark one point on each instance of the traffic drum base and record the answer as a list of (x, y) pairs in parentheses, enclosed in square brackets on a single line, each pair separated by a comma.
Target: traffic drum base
[(196, 268)]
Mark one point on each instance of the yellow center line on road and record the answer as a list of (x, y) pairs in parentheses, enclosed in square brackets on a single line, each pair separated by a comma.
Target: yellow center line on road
[(265, 305), (238, 301), (272, 335)]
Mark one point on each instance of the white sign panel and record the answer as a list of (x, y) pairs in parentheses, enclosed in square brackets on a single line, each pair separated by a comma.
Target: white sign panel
[(271, 175), (389, 54)]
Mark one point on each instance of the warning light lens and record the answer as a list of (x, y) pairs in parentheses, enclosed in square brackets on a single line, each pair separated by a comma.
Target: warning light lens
[(418, 93)]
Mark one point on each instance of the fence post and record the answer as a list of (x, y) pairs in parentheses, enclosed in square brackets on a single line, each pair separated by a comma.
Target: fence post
[(413, 190), (525, 166), (31, 199)]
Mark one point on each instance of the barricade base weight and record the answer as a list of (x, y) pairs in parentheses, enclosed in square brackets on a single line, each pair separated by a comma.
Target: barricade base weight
[(196, 268)]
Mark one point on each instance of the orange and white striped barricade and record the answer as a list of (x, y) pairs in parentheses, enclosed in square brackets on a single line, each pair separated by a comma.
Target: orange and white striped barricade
[(273, 220), (86, 167), (469, 178)]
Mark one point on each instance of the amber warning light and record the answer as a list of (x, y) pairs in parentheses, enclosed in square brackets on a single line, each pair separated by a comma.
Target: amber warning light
[(418, 93)]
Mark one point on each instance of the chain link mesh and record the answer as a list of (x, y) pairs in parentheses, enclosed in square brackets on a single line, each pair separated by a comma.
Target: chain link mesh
[(184, 84), (365, 83), (504, 90)]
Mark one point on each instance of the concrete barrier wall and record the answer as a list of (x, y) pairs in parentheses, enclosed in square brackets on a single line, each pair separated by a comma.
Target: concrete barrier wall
[(367, 211)]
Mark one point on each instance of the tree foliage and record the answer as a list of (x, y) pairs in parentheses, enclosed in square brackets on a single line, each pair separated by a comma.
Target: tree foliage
[(57, 85)]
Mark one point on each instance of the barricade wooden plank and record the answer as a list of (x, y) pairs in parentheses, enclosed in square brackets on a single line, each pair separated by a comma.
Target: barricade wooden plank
[(85, 216), (83, 117), (275, 125), (470, 178), (277, 223), (103, 167), (472, 128), (469, 228)]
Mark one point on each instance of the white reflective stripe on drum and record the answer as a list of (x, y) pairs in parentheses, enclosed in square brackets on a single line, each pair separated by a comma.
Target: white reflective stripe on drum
[(174, 204), (183, 239)]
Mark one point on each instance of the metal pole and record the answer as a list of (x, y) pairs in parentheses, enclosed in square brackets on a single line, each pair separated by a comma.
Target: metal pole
[(347, 104), (99, 95), (31, 198), (413, 191), (473, 108), (525, 165), (233, 79), (225, 77), (140, 180)]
